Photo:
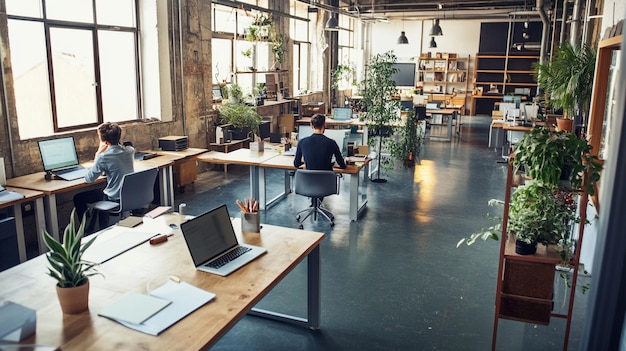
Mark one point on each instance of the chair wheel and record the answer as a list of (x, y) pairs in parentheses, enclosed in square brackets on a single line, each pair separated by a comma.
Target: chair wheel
[(298, 217), (301, 226), (332, 224)]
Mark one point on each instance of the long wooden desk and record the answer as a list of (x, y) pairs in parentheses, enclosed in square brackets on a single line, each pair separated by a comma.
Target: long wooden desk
[(184, 168), (29, 195), (259, 161), (50, 188), (236, 294)]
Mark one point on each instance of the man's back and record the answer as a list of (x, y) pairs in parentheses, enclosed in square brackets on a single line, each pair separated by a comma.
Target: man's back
[(318, 151)]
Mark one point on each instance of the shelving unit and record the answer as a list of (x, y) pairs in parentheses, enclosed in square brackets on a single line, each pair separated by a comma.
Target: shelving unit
[(445, 75), (505, 73), (531, 300)]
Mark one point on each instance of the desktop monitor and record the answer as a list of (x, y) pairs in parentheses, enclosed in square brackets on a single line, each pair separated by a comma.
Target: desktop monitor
[(217, 93), (264, 129), (342, 113)]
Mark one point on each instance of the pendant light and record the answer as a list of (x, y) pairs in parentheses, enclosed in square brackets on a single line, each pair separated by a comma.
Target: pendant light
[(433, 43), (332, 25), (436, 29), (402, 39)]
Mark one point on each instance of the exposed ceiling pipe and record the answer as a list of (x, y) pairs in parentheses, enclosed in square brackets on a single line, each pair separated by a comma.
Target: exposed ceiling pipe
[(575, 26), (544, 31)]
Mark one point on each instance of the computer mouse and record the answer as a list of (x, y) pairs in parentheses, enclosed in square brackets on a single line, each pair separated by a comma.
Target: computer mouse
[(173, 226)]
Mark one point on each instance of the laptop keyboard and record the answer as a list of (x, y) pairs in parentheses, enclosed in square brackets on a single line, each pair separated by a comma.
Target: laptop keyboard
[(68, 170), (220, 262)]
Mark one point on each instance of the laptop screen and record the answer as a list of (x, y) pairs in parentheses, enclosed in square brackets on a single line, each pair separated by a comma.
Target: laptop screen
[(209, 234), (342, 113), (58, 153)]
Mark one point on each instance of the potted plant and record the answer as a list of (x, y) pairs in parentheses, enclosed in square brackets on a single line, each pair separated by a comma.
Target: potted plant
[(235, 94), (550, 157), (278, 49), (567, 79), (67, 267), (407, 149), (381, 109), (243, 118), (260, 28)]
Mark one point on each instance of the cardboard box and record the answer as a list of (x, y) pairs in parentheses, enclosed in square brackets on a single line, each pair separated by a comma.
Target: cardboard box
[(286, 123)]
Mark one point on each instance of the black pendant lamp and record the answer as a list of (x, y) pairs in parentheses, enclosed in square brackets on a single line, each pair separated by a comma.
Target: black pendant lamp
[(332, 25), (433, 43), (436, 29), (402, 39)]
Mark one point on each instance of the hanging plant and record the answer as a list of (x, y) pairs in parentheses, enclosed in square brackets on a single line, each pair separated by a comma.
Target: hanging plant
[(278, 48)]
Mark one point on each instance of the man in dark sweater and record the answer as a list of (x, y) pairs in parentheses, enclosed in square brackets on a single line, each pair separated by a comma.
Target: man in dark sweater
[(318, 149)]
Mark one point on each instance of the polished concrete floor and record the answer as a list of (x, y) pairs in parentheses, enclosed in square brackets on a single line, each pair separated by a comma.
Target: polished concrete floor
[(395, 280)]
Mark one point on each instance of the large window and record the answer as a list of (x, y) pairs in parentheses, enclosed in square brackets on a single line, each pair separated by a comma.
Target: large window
[(74, 63)]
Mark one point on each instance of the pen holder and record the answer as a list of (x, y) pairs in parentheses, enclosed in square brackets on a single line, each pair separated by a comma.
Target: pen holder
[(250, 222)]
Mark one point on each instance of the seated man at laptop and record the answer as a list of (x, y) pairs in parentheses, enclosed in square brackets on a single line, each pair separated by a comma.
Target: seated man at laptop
[(114, 161), (317, 149)]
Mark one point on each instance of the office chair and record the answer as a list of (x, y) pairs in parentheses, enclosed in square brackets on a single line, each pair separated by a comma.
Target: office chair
[(137, 192), (316, 185)]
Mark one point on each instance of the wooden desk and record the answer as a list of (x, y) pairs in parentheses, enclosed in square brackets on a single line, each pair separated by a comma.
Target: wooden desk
[(259, 161), (236, 294), (450, 114), (184, 168), (29, 195), (230, 146), (50, 188)]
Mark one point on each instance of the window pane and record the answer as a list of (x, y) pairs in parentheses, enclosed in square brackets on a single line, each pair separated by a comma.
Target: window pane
[(304, 67), (116, 12), (224, 19), (74, 81), (70, 10), (28, 8), (221, 60), (296, 69), (30, 76), (118, 77), (245, 56), (263, 56)]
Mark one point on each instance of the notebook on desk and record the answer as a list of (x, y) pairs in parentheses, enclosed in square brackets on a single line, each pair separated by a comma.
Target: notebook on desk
[(59, 158), (213, 244)]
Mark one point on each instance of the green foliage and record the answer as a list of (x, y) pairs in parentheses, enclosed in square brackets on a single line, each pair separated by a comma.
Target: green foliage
[(411, 139), (240, 115), (235, 93), (278, 48), (541, 213), (378, 91), (343, 73), (544, 154), (247, 52), (491, 232), (568, 78), (65, 259)]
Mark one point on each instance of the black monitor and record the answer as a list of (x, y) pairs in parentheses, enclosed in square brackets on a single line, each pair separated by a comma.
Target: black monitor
[(264, 129)]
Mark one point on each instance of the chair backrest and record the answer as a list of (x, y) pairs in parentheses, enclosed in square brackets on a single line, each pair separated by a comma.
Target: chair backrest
[(314, 183), (137, 189), (420, 112)]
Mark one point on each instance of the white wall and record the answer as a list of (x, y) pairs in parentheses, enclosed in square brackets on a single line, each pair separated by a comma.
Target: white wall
[(459, 36)]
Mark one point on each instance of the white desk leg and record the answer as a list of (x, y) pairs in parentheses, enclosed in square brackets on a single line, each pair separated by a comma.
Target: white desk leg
[(52, 217), (19, 228), (450, 127), (166, 184), (365, 136), (40, 224)]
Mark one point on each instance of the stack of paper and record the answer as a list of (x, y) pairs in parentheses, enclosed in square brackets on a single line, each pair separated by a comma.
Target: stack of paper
[(181, 298)]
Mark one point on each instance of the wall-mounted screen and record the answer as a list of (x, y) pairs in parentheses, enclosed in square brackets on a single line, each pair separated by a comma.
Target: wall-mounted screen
[(405, 75)]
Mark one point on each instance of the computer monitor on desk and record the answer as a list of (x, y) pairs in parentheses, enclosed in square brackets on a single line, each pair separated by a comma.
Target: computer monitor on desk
[(342, 113)]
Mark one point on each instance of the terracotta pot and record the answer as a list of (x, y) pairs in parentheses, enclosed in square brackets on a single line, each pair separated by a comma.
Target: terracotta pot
[(565, 124), (74, 300)]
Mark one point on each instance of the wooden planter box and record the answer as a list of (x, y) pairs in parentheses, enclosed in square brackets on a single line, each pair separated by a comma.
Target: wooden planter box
[(527, 291)]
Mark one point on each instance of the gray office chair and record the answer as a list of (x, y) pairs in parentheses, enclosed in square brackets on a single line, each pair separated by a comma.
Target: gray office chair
[(137, 193), (316, 185)]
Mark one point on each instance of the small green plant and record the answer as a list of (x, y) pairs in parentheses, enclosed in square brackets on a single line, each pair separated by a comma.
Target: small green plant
[(241, 115), (235, 93), (247, 52), (409, 146), (65, 259), (486, 233), (343, 73)]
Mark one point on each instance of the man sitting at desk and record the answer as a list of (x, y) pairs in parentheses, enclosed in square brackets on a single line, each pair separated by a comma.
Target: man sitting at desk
[(114, 161), (317, 149)]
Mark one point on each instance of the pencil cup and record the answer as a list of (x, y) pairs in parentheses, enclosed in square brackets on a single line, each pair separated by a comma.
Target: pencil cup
[(250, 222)]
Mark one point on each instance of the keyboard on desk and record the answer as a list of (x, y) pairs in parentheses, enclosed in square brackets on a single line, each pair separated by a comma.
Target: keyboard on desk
[(230, 256), (71, 173)]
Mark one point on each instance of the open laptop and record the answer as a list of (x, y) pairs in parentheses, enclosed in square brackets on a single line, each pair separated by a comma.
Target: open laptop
[(59, 158), (213, 245), (342, 113)]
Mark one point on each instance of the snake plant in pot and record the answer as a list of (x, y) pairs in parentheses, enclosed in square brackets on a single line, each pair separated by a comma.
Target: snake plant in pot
[(68, 268)]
